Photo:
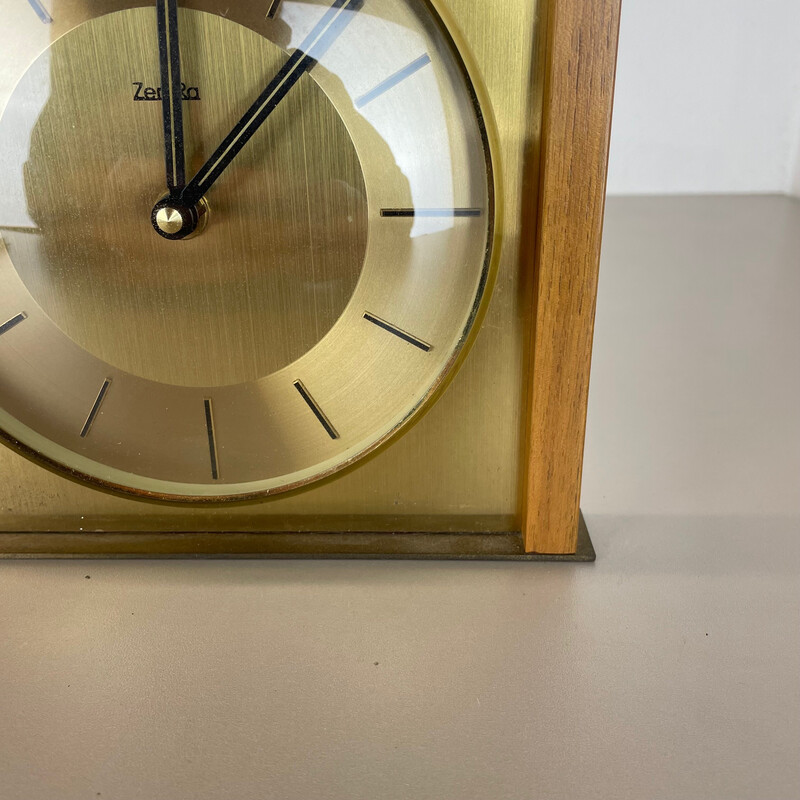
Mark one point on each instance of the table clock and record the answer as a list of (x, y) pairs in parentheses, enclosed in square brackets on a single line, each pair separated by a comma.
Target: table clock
[(299, 278)]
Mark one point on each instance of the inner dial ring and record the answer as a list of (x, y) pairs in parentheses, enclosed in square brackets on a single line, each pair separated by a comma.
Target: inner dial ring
[(271, 266), (411, 116)]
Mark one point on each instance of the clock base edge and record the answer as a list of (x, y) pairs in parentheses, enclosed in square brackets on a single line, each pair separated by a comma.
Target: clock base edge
[(378, 546)]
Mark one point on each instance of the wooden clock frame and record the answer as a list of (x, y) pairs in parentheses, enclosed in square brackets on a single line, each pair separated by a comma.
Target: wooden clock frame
[(580, 65), (577, 64)]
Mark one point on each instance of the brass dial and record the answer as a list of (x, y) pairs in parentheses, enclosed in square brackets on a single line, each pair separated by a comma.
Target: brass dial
[(274, 308)]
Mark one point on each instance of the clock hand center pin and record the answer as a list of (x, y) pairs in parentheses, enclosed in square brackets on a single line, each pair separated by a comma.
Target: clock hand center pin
[(175, 220)]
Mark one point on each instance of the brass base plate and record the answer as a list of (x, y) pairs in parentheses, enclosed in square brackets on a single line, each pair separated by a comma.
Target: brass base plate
[(405, 546)]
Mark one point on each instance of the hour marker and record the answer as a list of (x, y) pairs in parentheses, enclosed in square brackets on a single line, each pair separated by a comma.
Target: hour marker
[(12, 323), (273, 9), (314, 406), (212, 439), (431, 212), (41, 11), (393, 80), (20, 229), (399, 332), (101, 395)]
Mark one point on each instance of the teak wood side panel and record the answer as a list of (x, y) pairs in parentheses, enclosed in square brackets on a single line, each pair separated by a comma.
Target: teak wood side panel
[(580, 61)]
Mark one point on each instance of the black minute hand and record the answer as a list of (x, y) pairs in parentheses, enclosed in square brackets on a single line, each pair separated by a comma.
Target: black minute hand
[(170, 67), (302, 60)]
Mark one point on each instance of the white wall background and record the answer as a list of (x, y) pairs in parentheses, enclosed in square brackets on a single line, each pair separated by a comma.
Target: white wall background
[(708, 97)]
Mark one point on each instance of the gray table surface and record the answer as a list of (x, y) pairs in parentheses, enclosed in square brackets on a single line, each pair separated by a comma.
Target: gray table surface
[(668, 669)]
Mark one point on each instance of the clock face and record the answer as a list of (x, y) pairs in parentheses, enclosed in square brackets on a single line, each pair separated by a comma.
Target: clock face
[(240, 247)]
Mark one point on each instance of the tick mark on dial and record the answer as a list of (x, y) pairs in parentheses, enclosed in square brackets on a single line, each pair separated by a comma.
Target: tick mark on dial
[(101, 395), (398, 332), (318, 412), (212, 439), (431, 212), (273, 9), (12, 323), (392, 81), (41, 11)]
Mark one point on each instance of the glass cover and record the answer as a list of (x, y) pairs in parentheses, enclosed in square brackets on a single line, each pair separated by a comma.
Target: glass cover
[(241, 246)]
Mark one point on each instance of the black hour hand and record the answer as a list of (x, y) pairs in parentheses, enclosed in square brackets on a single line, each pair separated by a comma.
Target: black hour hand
[(172, 112)]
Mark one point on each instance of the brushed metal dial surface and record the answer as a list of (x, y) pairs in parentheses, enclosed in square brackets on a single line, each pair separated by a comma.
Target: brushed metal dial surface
[(269, 276), (344, 265)]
